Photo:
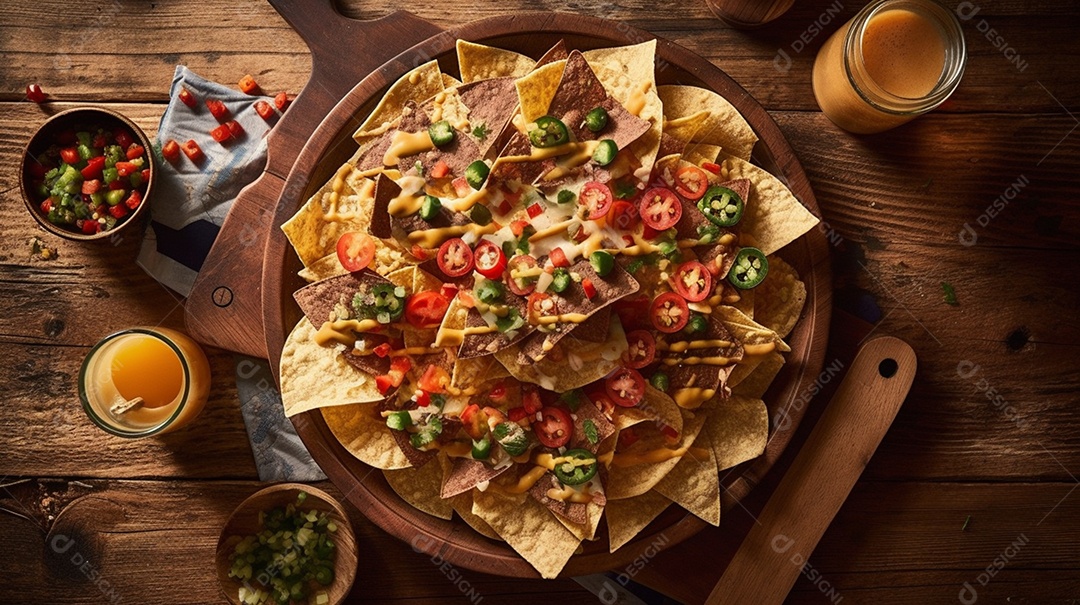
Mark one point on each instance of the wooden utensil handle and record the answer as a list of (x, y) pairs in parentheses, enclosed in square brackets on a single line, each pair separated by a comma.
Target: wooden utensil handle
[(774, 552)]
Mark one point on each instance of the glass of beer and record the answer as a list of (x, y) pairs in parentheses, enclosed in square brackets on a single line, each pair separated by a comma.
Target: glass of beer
[(144, 381), (894, 61)]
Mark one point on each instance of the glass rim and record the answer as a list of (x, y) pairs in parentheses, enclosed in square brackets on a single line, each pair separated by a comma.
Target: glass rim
[(153, 430), (952, 71)]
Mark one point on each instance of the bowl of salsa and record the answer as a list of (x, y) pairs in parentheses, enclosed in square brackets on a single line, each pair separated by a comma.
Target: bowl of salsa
[(87, 173)]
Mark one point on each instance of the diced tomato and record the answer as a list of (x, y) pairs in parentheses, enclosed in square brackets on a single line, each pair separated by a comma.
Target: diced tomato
[(355, 250), (400, 364), (640, 350), (535, 210), (101, 139), (146, 175), (123, 138), (597, 198), (192, 150), (264, 110), (692, 281), (434, 380), (518, 227), (35, 94), (281, 101), (47, 205), (133, 200), (455, 258), (90, 226), (186, 97), (624, 215), (220, 133), (461, 187), (235, 129), (248, 85), (382, 349), (70, 155), (118, 211), (517, 414), (170, 150), (539, 305), (422, 398), (625, 386), (398, 367), (418, 252), (711, 167), (590, 289), (426, 309), (531, 401), (384, 383), (125, 168), (135, 151), (691, 182), (439, 170), (628, 437), (118, 184), (660, 208), (449, 291), (490, 259), (504, 207), (669, 313), (554, 428), (473, 421), (522, 286), (37, 170), (558, 258), (91, 187), (94, 168), (217, 109)]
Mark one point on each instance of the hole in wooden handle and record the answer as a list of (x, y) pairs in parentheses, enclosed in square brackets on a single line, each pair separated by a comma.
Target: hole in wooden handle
[(887, 368)]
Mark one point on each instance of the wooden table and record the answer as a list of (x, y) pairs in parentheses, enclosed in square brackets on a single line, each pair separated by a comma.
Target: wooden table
[(974, 483)]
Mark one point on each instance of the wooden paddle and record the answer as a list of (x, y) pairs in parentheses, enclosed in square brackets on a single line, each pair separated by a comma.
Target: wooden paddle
[(772, 556)]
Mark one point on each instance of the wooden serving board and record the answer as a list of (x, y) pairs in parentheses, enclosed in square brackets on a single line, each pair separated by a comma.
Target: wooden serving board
[(331, 145)]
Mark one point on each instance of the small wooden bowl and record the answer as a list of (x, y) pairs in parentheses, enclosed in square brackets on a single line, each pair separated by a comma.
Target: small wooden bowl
[(82, 117), (244, 521)]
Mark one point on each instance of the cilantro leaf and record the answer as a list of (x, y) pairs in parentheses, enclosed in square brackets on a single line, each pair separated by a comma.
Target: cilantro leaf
[(950, 293), (480, 131), (590, 431)]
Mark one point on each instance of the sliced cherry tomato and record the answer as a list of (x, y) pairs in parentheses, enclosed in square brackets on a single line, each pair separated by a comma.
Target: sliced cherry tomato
[(535, 210), (691, 182), (474, 421), (135, 151), (554, 428), (70, 155), (281, 101), (217, 109), (422, 398), (434, 379), (220, 133), (490, 259), (641, 349), (692, 281), (531, 401), (590, 289), (35, 94), (186, 97), (669, 313), (558, 258), (625, 386), (192, 150), (235, 129), (711, 167), (455, 257), (597, 199), (125, 168), (660, 208), (248, 85), (94, 168), (355, 250), (170, 151), (264, 110), (146, 175), (522, 286), (540, 304), (624, 215), (47, 205), (440, 170), (426, 309)]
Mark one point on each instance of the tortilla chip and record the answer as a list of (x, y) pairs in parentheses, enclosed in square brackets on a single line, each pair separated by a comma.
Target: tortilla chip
[(572, 514), (629, 481), (465, 474), (746, 300), (694, 485), (314, 230), (555, 53), (725, 126), (587, 529), (361, 430), (775, 218), (571, 363), (418, 85), (481, 62), (747, 331), (463, 504), (626, 518), (693, 378), (490, 105), (324, 268), (655, 406), (477, 371), (313, 376), (779, 299), (420, 488), (588, 411), (537, 88), (698, 153), (449, 81), (685, 127), (737, 430), (756, 382), (528, 528)]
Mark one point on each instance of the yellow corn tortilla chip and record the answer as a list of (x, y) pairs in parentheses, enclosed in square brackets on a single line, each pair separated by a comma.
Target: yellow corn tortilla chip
[(314, 230), (750, 333), (655, 406), (737, 430), (449, 81), (388, 258), (773, 216), (694, 485), (313, 376), (475, 371), (756, 382), (587, 530), (324, 268), (626, 518), (481, 62), (699, 153), (420, 488), (528, 527), (420, 84), (462, 504), (684, 128), (629, 481), (779, 299), (365, 435), (537, 88), (746, 301), (580, 363), (725, 126)]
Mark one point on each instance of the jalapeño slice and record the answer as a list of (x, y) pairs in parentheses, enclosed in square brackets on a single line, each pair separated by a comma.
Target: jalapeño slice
[(429, 210), (476, 173), (549, 132), (605, 152), (441, 133), (597, 119), (721, 205), (388, 302), (750, 268), (580, 468), (481, 448)]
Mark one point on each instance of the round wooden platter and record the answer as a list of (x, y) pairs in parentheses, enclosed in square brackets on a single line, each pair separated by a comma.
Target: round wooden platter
[(532, 34)]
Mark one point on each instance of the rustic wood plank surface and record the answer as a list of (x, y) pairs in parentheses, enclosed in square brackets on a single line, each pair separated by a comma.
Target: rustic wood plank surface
[(973, 484)]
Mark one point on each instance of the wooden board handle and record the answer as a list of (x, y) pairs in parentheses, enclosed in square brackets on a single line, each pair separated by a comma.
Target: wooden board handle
[(773, 554), (224, 307)]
